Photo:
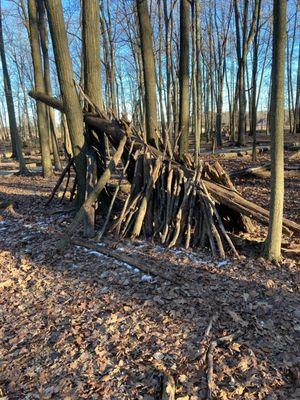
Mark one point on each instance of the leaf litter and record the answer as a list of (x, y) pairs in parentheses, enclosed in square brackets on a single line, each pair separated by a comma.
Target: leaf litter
[(85, 326)]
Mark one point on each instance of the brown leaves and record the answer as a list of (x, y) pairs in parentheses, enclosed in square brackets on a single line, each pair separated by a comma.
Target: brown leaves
[(82, 326)]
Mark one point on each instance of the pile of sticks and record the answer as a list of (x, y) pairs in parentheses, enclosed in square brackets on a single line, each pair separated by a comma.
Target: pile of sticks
[(172, 201)]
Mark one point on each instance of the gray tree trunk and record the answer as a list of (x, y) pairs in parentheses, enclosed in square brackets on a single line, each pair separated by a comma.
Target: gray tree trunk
[(272, 245), (47, 78), (40, 87), (69, 95), (15, 137), (149, 71), (184, 108)]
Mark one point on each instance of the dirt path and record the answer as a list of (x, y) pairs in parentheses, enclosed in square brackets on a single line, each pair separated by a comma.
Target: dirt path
[(83, 326)]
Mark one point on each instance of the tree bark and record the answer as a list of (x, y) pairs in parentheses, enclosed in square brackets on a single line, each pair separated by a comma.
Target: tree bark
[(149, 72), (15, 137), (47, 79), (272, 245), (70, 98), (184, 110), (297, 106), (39, 86), (92, 85)]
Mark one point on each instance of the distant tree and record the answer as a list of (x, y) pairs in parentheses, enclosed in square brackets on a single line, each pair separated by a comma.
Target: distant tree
[(272, 245), (15, 136), (244, 36)]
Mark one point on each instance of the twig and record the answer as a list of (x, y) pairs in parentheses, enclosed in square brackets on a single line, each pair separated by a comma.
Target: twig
[(210, 360), (206, 337), (60, 179)]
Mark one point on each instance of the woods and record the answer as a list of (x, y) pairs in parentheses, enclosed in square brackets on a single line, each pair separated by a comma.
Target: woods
[(159, 141)]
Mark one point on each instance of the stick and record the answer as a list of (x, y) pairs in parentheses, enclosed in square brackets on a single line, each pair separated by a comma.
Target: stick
[(59, 181), (205, 339), (143, 207), (210, 360), (168, 387), (220, 221), (115, 195), (93, 196)]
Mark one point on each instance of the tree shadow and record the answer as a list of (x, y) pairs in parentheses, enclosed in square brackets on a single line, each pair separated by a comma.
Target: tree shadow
[(85, 326)]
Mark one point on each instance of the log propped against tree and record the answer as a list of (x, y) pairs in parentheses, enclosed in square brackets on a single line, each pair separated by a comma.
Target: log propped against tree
[(192, 206)]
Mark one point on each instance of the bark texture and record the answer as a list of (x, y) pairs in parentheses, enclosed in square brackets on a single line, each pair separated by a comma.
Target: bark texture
[(272, 246)]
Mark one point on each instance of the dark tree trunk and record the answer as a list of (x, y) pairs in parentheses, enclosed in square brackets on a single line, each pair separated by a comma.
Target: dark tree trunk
[(184, 107), (15, 137), (149, 71), (70, 98)]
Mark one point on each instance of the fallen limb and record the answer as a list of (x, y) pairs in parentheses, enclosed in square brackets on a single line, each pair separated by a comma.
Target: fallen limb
[(210, 360), (205, 340), (238, 203), (127, 259), (48, 100)]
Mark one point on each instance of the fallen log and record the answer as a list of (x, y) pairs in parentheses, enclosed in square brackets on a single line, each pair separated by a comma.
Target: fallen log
[(264, 171), (235, 201), (147, 268)]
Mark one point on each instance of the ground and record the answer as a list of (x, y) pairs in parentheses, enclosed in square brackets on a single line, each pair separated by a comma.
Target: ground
[(85, 326)]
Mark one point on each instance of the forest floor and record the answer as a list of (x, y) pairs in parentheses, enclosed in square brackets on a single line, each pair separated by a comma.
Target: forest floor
[(84, 326)]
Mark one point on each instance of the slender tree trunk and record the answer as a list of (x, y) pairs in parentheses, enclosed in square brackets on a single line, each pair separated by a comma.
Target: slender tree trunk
[(297, 104), (160, 72), (47, 80), (92, 84), (149, 71), (69, 95), (168, 65), (40, 87), (184, 108), (198, 81), (253, 121), (272, 246), (15, 136)]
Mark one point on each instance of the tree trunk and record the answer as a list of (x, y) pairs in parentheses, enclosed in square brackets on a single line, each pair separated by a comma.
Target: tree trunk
[(254, 86), (47, 79), (15, 137), (39, 86), (297, 106), (198, 130), (92, 85), (184, 108), (272, 245), (70, 98), (149, 71)]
